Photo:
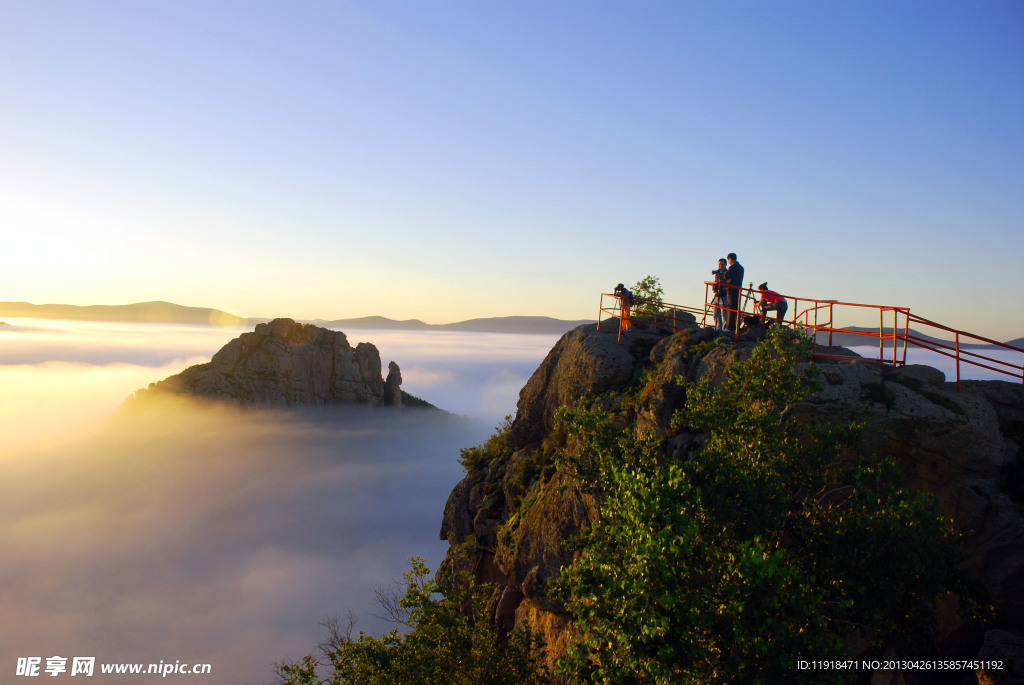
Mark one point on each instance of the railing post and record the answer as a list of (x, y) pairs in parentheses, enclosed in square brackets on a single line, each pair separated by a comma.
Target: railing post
[(704, 319), (906, 335), (882, 335), (958, 361), (830, 326), (894, 337)]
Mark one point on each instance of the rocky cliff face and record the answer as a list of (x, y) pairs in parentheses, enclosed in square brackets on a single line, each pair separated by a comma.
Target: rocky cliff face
[(507, 521), (290, 364)]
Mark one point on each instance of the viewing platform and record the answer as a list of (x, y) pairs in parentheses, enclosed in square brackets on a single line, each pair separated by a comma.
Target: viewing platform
[(822, 320)]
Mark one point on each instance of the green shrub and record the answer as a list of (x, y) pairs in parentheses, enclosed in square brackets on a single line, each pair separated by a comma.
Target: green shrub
[(452, 639), (409, 400), (474, 458)]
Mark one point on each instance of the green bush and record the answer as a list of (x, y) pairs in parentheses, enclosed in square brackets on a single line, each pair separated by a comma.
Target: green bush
[(448, 640), (474, 458), (649, 296)]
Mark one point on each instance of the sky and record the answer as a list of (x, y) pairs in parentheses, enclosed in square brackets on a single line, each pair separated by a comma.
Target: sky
[(446, 161)]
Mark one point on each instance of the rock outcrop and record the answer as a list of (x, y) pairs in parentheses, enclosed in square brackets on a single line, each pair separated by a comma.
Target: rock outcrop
[(507, 522), (392, 389), (285, 363)]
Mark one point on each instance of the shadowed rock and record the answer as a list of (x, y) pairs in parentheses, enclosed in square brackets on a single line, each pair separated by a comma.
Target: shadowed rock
[(392, 391)]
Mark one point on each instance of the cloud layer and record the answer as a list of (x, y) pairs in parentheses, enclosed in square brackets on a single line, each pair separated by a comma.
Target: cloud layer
[(218, 536)]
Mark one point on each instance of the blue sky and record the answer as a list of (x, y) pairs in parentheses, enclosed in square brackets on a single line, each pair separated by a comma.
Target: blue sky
[(452, 160)]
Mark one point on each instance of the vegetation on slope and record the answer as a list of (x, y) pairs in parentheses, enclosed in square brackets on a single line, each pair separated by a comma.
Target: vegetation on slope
[(450, 639), (763, 546)]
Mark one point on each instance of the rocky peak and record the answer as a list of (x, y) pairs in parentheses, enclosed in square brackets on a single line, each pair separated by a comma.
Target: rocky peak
[(507, 520), (290, 364)]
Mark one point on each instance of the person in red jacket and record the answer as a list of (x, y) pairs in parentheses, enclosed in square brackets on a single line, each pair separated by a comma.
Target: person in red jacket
[(772, 301)]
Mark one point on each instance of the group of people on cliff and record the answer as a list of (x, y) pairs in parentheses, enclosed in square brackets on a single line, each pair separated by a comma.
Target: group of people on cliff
[(728, 286), (727, 290)]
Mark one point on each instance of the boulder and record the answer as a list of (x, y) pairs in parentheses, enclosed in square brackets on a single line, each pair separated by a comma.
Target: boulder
[(584, 363), (283, 363)]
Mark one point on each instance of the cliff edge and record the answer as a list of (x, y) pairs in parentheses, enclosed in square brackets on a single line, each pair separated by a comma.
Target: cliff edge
[(507, 521)]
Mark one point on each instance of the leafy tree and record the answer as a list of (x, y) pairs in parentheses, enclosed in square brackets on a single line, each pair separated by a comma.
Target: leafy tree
[(765, 547), (648, 293), (453, 639)]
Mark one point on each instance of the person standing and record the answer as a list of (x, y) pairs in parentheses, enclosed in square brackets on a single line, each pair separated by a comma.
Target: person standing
[(734, 276), (721, 295), (625, 302)]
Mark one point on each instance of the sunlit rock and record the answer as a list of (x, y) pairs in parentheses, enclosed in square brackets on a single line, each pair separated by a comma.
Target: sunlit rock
[(284, 363)]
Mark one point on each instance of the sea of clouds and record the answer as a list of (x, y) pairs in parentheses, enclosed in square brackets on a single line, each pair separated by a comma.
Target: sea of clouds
[(214, 535)]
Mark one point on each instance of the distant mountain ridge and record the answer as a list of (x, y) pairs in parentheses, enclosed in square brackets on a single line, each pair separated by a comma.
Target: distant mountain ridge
[(140, 312), (496, 324), (168, 312)]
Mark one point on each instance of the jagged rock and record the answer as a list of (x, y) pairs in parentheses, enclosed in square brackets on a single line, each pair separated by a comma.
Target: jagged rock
[(392, 389), (962, 447), (585, 362), (537, 551), (283, 363)]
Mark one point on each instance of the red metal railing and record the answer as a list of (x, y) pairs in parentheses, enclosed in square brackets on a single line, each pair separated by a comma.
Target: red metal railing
[(818, 318), (662, 315), (955, 351)]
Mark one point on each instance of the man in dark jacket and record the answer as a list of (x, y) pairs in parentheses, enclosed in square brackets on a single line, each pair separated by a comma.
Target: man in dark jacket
[(734, 276)]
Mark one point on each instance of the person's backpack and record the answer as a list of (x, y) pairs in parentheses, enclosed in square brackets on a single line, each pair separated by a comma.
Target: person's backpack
[(627, 298)]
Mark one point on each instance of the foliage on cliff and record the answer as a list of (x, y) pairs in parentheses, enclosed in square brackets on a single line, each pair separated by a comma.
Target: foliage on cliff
[(446, 640), (496, 446), (649, 294), (763, 548), (740, 538)]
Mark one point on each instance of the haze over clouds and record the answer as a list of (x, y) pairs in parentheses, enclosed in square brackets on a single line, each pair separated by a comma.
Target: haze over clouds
[(477, 374), (215, 535), (58, 375), (30, 341)]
